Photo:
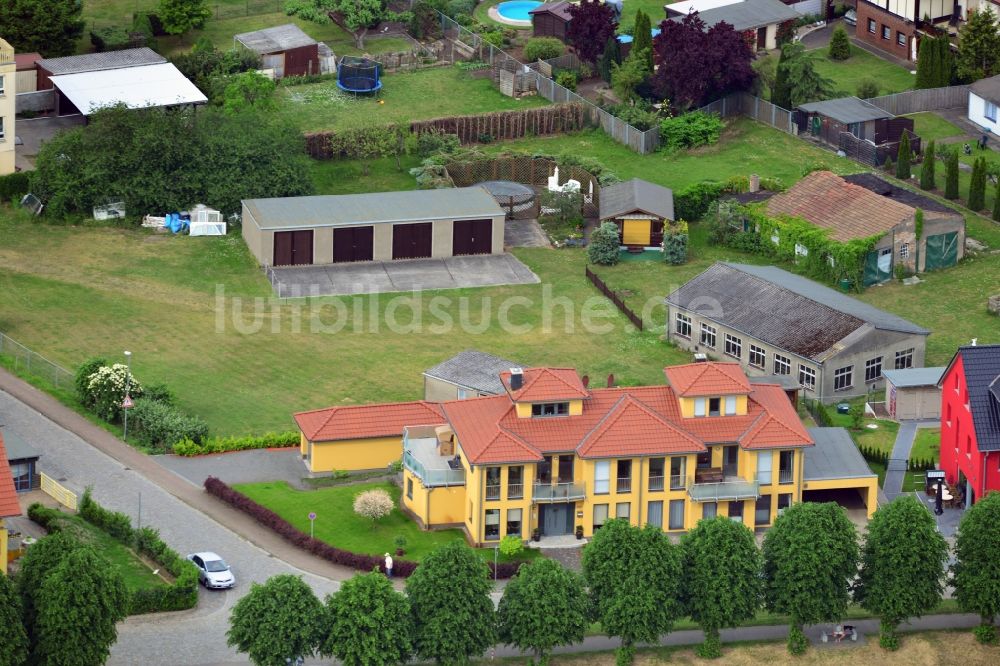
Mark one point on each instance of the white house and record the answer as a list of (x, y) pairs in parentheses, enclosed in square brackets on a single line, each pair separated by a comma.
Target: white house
[(984, 96)]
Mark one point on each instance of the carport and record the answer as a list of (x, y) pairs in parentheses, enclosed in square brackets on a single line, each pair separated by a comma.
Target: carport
[(835, 471)]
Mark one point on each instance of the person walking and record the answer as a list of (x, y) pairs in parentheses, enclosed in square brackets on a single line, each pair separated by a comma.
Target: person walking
[(388, 565)]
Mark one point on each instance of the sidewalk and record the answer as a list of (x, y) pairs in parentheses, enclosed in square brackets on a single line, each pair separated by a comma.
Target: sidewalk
[(898, 459)]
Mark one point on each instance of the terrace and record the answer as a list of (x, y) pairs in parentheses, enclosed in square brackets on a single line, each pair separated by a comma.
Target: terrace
[(422, 456)]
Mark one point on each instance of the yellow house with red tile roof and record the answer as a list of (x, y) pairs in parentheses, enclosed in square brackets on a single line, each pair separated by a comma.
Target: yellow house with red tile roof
[(553, 456), (9, 506)]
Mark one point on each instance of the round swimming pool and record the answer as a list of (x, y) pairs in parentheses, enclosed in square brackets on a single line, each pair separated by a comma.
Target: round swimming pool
[(516, 11)]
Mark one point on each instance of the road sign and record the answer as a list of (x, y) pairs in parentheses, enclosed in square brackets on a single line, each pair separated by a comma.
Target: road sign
[(127, 402), (312, 515)]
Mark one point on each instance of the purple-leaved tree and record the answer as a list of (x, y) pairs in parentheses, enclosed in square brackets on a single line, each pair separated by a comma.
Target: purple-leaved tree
[(592, 25)]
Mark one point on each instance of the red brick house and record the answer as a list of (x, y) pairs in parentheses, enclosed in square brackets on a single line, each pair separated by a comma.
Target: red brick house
[(970, 420), (894, 26)]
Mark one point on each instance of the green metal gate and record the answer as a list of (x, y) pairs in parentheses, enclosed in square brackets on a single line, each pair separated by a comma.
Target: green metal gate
[(942, 251), (875, 273)]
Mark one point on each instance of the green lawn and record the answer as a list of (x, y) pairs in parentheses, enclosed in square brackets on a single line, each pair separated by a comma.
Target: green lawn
[(881, 437), (912, 481), (932, 127), (846, 74), (927, 444), (348, 176), (428, 93), (338, 525)]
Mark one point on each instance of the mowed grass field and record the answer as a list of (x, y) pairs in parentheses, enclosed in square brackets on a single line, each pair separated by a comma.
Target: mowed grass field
[(428, 93), (847, 74)]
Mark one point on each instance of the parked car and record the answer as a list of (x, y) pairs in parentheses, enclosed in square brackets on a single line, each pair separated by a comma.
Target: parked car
[(213, 572), (851, 17)]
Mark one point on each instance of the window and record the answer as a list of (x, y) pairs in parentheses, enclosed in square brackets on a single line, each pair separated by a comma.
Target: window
[(677, 476), (786, 460), (515, 482), (699, 406), (682, 325), (900, 38), (409, 488), (550, 409), (734, 346), (514, 522), (873, 369), (886, 32), (843, 378), (543, 470), (762, 510), (904, 359), (602, 477), (654, 514), (758, 357), (2, 134), (807, 377), (991, 111), (708, 335), (704, 459), (600, 516), (3, 89), (22, 473), (624, 476), (676, 520), (709, 510), (656, 467), (736, 511), (782, 365), (784, 501), (714, 406), (904, 250), (948, 419), (764, 468), (492, 531), (493, 484), (565, 468), (871, 26), (623, 510), (730, 405)]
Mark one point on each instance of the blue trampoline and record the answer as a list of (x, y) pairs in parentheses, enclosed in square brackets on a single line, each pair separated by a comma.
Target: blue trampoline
[(359, 75)]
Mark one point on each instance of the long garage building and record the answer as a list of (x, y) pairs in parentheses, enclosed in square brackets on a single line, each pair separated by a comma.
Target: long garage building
[(383, 226)]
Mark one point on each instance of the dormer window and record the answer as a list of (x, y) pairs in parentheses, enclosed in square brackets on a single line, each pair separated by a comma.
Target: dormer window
[(550, 409)]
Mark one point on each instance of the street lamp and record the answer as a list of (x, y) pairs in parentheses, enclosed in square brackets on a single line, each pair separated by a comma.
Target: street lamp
[(127, 402)]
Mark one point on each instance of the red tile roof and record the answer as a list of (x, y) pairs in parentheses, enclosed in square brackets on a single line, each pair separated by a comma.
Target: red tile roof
[(9, 505), (547, 385), (707, 379), (366, 421), (632, 428)]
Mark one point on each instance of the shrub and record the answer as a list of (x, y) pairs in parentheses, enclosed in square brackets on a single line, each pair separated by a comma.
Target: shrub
[(45, 517), (159, 393), (636, 115), (977, 185), (543, 48), (81, 380), (840, 46), (690, 130), (567, 79), (985, 634), (494, 37), (373, 504), (675, 243), (511, 545), (868, 88), (693, 201), (904, 158), (162, 426), (118, 525), (106, 388), (604, 245), (436, 142), (13, 186), (111, 38), (268, 440), (951, 175)]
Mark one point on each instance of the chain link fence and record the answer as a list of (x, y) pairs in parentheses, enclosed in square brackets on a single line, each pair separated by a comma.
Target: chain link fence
[(32, 363)]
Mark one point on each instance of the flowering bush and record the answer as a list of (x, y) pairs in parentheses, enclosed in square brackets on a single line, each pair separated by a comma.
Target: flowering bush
[(106, 389), (373, 504)]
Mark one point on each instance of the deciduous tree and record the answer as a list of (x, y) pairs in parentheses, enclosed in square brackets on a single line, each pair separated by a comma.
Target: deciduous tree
[(249, 90), (79, 604), (373, 504), (633, 578), (721, 581), (450, 604), (39, 562), (179, 16), (927, 168), (976, 572), (978, 45), (13, 637), (279, 620), (902, 565), (628, 76), (810, 558), (368, 623), (542, 607), (50, 27), (951, 175), (593, 23)]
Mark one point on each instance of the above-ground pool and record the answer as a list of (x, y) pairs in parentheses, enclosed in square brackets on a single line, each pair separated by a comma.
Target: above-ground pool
[(515, 12)]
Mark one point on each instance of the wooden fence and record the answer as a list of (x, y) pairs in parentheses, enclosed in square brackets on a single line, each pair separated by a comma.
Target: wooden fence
[(928, 99), (507, 125), (58, 492), (751, 106), (613, 297), (548, 67)]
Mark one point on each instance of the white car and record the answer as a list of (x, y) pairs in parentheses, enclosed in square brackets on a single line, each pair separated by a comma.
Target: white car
[(851, 17), (213, 572)]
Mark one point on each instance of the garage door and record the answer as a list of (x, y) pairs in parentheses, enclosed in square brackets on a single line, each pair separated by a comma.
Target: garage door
[(293, 248), (942, 251), (353, 244), (411, 241), (472, 237)]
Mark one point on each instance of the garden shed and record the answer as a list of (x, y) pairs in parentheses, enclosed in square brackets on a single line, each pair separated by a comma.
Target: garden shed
[(859, 128), (383, 226), (551, 19), (639, 209), (95, 62), (757, 19), (913, 393), (286, 49)]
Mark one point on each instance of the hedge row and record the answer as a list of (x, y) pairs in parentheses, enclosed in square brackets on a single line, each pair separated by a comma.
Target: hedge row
[(290, 533), (187, 447)]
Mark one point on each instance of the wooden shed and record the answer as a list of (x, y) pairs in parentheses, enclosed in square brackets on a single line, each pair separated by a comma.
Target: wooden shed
[(551, 20), (847, 121), (913, 393), (284, 48), (639, 209), (383, 226)]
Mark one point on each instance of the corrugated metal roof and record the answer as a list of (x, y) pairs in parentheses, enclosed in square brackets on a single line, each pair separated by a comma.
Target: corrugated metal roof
[(745, 15), (911, 377), (988, 89), (846, 110), (636, 194), (135, 87), (372, 208), (835, 456), (276, 39), (92, 62), (474, 370)]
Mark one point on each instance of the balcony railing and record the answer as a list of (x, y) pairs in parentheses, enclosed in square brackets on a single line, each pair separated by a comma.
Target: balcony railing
[(433, 477), (625, 485), (560, 492), (493, 492), (734, 489), (677, 482), (515, 490), (784, 476), (655, 483)]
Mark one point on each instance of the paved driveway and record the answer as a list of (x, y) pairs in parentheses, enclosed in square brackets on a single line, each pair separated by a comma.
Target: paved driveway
[(395, 276), (187, 637)]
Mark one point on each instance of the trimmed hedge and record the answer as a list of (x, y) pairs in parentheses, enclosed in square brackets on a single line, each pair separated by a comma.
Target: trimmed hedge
[(161, 426), (187, 447), (13, 186), (293, 535)]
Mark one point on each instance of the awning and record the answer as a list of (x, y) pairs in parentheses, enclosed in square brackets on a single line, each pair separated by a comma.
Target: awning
[(135, 87)]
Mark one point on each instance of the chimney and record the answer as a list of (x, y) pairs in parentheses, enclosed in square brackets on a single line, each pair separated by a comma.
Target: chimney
[(516, 379), (974, 341), (585, 380), (754, 183), (611, 381)]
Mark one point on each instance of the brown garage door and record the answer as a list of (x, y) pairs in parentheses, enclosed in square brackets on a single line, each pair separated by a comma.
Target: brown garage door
[(472, 237), (353, 244), (411, 241), (293, 248)]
